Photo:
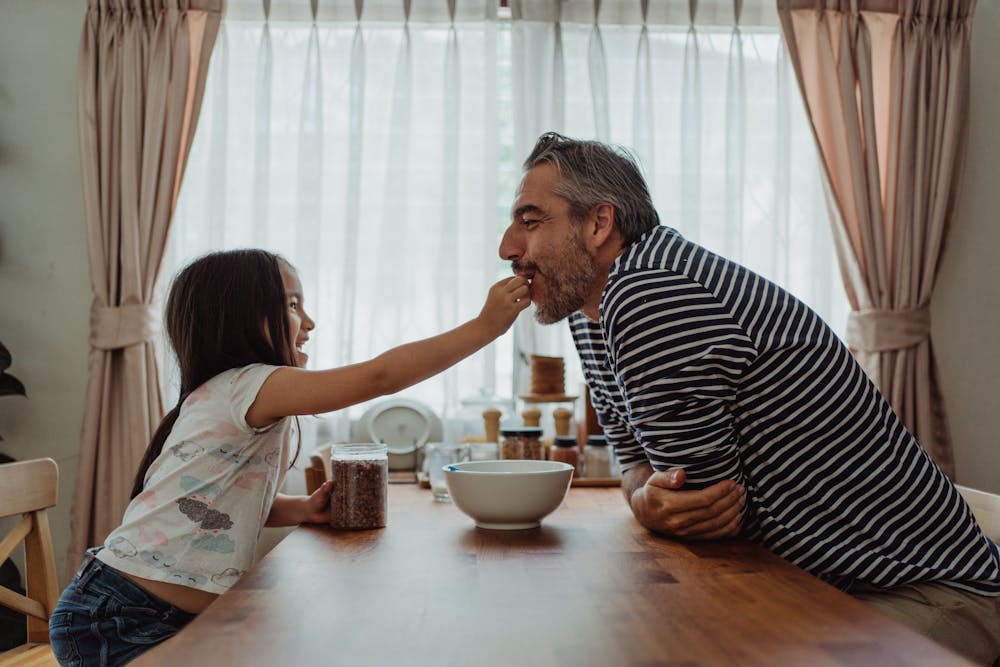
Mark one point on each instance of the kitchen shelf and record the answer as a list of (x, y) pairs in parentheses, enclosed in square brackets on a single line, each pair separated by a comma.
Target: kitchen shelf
[(547, 398)]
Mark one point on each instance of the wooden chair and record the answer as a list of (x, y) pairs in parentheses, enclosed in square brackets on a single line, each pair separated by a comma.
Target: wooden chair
[(318, 470), (986, 508), (28, 489)]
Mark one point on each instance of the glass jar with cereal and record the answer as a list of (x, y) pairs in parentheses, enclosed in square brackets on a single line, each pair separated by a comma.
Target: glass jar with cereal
[(360, 474), (521, 443)]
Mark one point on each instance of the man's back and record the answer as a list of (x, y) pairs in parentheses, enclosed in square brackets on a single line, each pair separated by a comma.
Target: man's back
[(714, 369)]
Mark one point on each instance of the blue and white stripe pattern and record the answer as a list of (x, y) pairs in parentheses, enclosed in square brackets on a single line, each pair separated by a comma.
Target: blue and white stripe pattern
[(699, 363)]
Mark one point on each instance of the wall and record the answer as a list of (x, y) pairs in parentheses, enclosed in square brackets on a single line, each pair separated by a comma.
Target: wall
[(966, 306), (44, 284)]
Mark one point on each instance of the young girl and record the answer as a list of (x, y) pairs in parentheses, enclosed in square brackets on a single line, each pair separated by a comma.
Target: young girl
[(208, 481)]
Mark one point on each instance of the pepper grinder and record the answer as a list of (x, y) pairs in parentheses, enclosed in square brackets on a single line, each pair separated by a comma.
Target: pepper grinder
[(531, 417), (491, 421), (561, 417)]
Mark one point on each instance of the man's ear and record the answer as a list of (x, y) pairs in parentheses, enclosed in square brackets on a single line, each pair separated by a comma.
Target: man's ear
[(602, 224)]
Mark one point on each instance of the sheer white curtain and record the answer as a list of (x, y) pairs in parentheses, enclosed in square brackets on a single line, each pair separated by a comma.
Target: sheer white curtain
[(377, 144), (359, 140), (704, 94)]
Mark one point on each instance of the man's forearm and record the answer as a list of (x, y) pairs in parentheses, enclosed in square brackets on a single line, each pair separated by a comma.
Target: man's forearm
[(634, 479)]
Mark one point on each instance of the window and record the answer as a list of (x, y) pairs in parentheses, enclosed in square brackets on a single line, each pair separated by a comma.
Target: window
[(381, 158)]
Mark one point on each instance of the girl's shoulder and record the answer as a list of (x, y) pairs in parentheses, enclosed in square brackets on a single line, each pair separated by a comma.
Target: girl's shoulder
[(232, 385), (218, 408), (245, 374)]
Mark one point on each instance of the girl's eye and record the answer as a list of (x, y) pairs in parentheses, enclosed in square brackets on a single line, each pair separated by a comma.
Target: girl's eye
[(294, 305)]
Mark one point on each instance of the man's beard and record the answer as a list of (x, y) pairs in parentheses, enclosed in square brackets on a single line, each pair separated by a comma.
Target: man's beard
[(567, 277)]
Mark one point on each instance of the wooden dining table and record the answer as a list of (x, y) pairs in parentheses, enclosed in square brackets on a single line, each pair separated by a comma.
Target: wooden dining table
[(589, 587)]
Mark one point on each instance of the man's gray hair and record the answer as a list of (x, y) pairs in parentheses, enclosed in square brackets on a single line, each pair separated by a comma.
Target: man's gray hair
[(592, 172)]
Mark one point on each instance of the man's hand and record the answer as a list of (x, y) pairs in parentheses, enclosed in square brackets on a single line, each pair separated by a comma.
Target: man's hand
[(712, 513)]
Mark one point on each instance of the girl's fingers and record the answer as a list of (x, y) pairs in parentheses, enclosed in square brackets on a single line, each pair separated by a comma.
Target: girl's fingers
[(515, 283)]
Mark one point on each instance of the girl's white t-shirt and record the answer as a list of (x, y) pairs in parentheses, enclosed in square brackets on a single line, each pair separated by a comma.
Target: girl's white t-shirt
[(209, 492)]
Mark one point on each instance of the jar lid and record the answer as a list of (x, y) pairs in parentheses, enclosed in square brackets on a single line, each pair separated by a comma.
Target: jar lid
[(597, 440), (361, 450), (521, 432), (564, 441)]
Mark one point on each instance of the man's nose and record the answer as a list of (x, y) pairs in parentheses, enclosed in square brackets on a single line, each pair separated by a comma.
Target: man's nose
[(510, 245)]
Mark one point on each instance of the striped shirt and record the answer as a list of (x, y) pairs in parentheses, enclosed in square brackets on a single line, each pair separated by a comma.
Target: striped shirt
[(697, 362)]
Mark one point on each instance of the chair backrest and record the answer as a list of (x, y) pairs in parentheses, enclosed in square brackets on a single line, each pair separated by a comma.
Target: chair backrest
[(318, 470), (986, 508), (28, 489)]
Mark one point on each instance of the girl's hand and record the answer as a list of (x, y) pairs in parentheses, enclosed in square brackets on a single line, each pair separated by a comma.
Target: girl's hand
[(318, 504), (504, 303)]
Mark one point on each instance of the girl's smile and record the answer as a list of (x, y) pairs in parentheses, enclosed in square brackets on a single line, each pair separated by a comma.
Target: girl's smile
[(299, 323)]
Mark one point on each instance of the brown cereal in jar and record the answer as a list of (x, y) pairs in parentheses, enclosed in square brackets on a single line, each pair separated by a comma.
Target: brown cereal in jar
[(360, 485), (522, 443)]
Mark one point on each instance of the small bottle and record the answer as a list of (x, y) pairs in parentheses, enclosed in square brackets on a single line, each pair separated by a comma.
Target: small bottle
[(597, 457), (522, 443), (564, 449)]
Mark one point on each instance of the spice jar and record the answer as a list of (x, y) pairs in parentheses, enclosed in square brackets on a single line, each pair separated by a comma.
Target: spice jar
[(360, 474), (596, 457), (522, 443), (564, 449)]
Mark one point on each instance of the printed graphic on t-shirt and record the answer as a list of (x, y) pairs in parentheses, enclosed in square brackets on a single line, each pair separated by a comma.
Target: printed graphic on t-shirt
[(233, 455), (196, 506), (122, 548), (227, 577), (208, 494), (249, 480), (186, 450), (159, 560)]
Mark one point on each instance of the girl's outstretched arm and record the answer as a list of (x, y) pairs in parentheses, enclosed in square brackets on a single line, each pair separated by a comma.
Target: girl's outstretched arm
[(296, 391)]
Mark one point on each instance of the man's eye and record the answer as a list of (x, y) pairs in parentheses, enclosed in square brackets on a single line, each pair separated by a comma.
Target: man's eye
[(529, 222)]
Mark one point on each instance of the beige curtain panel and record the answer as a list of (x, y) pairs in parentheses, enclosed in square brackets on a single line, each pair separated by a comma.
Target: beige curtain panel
[(886, 86), (142, 71)]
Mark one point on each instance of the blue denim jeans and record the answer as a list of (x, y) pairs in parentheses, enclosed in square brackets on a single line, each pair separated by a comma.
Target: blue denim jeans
[(105, 619)]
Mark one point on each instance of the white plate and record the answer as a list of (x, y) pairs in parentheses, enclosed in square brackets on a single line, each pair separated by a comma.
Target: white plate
[(404, 425)]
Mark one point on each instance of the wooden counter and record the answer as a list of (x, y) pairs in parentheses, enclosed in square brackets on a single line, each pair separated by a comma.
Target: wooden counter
[(590, 587)]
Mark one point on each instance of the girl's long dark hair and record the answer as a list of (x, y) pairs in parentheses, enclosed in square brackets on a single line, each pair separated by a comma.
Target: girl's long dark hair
[(218, 310)]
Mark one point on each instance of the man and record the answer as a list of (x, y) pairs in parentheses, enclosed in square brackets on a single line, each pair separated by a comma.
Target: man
[(734, 410)]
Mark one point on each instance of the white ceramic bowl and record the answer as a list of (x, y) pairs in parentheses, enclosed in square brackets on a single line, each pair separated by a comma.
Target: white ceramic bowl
[(508, 495)]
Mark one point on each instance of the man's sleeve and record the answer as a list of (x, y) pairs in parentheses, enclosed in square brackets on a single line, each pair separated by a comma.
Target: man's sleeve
[(590, 345), (678, 356), (628, 451)]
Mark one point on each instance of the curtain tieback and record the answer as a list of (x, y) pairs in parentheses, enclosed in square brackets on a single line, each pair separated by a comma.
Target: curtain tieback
[(115, 327), (874, 330)]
